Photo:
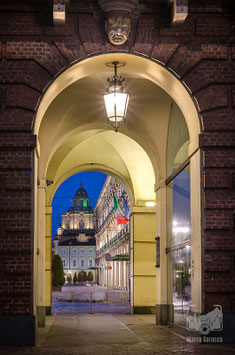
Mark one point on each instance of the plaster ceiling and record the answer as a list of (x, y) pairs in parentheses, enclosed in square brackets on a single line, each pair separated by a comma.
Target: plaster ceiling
[(74, 136), (81, 104)]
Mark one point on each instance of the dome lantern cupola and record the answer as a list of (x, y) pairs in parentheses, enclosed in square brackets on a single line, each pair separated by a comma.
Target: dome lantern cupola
[(81, 199)]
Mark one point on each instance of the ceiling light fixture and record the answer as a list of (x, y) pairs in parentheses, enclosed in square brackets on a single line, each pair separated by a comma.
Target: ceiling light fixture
[(116, 98)]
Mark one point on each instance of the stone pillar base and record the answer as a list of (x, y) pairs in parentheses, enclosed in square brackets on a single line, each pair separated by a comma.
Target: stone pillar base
[(48, 310), (41, 316), (143, 310), (164, 313), (17, 330)]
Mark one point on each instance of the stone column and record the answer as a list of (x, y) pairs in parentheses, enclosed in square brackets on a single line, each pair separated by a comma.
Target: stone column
[(118, 274), (41, 253), (113, 272), (196, 237), (114, 276), (164, 274), (48, 256), (127, 279), (143, 258), (121, 275), (124, 275)]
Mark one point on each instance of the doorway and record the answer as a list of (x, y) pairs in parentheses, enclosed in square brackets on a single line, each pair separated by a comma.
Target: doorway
[(85, 231)]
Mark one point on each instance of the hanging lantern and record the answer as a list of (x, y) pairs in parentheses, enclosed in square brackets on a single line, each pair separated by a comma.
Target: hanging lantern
[(116, 98)]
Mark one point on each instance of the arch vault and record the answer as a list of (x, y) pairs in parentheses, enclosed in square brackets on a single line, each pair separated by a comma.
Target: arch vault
[(72, 136)]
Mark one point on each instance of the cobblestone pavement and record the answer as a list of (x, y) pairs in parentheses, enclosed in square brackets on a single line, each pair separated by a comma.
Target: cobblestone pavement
[(99, 293), (80, 307), (103, 333)]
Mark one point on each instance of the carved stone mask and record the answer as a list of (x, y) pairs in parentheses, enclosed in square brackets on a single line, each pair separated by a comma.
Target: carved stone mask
[(118, 28)]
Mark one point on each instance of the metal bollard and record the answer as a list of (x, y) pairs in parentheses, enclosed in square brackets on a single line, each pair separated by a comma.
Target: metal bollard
[(91, 304)]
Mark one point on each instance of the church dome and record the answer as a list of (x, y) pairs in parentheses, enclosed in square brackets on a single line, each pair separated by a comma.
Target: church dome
[(81, 201), (81, 192)]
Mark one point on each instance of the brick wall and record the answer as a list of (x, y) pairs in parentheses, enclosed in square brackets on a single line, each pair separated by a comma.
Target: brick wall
[(32, 52)]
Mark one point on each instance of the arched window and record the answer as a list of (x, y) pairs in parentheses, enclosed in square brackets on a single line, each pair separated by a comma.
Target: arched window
[(90, 262), (68, 220), (82, 262), (74, 262), (81, 224)]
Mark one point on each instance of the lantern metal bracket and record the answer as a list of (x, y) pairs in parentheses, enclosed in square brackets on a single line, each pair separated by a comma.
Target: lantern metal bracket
[(116, 80)]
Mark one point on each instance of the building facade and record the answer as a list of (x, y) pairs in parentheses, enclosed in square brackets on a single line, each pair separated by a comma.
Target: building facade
[(75, 241), (112, 238)]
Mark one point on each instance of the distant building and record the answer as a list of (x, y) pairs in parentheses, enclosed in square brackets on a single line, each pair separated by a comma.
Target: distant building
[(75, 241), (112, 238)]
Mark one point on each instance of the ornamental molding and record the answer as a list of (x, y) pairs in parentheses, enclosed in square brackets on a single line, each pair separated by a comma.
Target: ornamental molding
[(118, 28), (179, 12), (118, 15), (118, 19), (59, 11), (118, 5)]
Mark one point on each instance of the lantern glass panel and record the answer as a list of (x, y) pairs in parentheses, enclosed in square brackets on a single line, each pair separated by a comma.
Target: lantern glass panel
[(116, 105)]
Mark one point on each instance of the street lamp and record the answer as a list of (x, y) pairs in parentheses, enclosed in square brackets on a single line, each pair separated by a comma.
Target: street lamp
[(116, 98)]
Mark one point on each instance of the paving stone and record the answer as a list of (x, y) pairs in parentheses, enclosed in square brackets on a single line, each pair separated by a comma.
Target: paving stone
[(105, 333)]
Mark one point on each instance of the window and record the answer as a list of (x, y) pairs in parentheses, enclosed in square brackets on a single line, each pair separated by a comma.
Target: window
[(74, 251), (81, 224), (63, 251), (90, 251), (84, 203), (82, 262), (90, 262), (63, 262), (82, 251), (68, 220), (179, 243), (74, 262)]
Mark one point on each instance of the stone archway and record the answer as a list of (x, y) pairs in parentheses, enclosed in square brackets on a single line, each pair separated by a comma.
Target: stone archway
[(115, 165), (137, 153)]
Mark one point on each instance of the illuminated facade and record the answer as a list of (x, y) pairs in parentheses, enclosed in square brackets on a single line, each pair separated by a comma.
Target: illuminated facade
[(75, 240), (112, 238)]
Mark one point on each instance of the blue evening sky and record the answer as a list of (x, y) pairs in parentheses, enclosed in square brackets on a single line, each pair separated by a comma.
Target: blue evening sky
[(92, 182)]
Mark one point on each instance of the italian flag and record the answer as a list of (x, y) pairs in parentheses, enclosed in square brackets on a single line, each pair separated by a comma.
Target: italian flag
[(118, 212)]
